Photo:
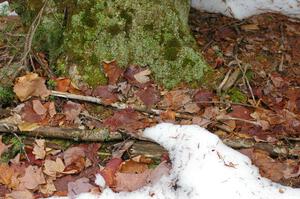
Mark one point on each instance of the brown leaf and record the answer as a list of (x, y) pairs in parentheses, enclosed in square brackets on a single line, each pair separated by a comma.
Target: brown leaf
[(33, 177), (127, 119), (142, 76), (130, 73), (81, 185), (53, 168), (51, 109), (176, 99), (108, 173), (268, 167), (62, 84), (30, 85), (240, 112), (112, 71), (131, 181), (131, 166), (71, 110), (202, 96), (48, 188), (24, 194), (72, 154), (6, 174), (38, 107), (29, 115), (149, 96), (39, 149), (106, 94)]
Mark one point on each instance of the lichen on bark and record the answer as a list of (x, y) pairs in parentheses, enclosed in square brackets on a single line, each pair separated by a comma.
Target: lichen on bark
[(148, 33)]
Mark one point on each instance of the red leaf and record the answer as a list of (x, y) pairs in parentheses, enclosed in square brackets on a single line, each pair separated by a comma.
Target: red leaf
[(112, 71), (240, 112), (126, 119), (29, 115), (71, 110), (129, 76), (203, 96), (108, 173), (149, 96), (106, 94)]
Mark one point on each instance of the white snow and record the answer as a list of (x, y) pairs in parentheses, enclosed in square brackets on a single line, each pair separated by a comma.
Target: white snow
[(203, 168), (241, 9), (4, 9)]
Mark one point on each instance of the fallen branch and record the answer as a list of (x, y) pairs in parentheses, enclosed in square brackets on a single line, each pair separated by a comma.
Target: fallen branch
[(96, 135)]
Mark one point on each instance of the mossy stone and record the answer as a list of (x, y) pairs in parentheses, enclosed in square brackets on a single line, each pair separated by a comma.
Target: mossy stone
[(148, 33)]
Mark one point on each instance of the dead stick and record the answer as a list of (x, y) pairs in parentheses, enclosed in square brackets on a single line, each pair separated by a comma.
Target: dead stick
[(96, 135)]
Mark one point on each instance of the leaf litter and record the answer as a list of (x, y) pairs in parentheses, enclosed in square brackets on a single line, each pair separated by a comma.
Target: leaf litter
[(266, 111)]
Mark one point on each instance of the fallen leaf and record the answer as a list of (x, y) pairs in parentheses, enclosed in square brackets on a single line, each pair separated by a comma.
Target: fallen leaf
[(29, 115), (108, 173), (53, 168), (6, 174), (81, 185), (72, 154), (142, 76), (51, 109), (268, 167), (202, 97), (71, 110), (62, 84), (106, 94), (24, 194), (33, 177), (131, 166), (191, 108), (131, 181), (130, 73), (112, 71), (30, 85), (127, 119), (240, 112), (28, 126), (38, 107), (149, 95), (48, 188), (176, 99), (39, 149)]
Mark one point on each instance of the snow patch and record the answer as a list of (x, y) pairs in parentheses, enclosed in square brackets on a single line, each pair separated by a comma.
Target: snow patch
[(241, 9), (203, 167)]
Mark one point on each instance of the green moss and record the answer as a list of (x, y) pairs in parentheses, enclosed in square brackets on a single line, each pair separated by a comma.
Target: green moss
[(15, 148), (6, 95), (151, 34), (237, 96)]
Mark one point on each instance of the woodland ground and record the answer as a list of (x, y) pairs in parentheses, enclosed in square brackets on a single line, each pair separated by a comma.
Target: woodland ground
[(251, 101)]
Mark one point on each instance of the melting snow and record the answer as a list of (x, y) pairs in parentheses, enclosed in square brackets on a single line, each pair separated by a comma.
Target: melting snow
[(241, 9), (203, 167)]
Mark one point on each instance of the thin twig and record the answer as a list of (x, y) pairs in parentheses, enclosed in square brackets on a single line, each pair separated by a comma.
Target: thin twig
[(245, 79)]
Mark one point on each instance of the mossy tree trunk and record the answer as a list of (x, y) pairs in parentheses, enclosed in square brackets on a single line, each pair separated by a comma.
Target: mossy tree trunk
[(148, 33)]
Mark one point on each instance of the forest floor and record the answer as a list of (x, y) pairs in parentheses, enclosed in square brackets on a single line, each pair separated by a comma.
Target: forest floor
[(56, 136)]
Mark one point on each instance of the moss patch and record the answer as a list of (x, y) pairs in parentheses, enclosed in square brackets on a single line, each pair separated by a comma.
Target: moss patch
[(151, 33)]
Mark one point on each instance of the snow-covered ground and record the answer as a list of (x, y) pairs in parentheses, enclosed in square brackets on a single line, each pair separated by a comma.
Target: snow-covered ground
[(241, 9), (203, 168)]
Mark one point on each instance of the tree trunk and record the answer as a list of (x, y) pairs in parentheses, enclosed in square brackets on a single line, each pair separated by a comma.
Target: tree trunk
[(148, 33)]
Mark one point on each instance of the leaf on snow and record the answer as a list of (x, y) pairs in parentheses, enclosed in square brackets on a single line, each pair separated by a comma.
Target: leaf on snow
[(108, 173), (81, 185)]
